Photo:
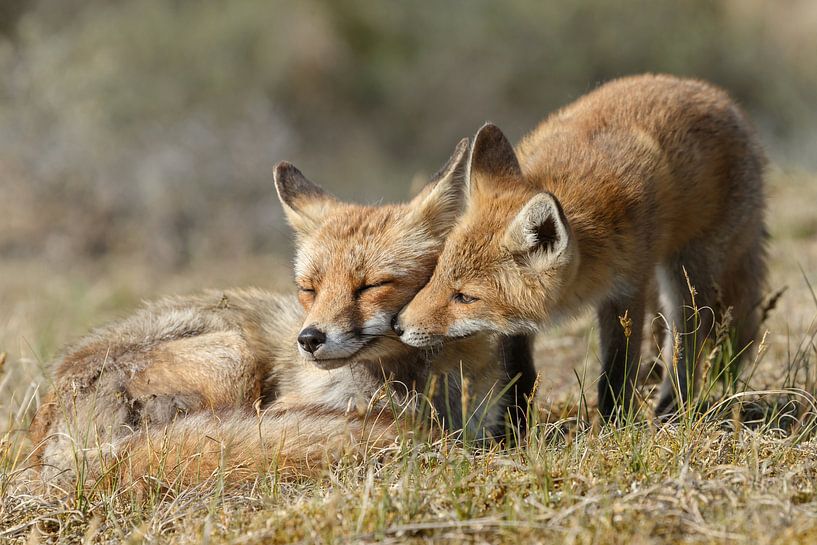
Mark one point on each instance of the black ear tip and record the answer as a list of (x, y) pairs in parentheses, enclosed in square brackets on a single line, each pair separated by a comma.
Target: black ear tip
[(489, 135), (283, 165), (289, 181), (283, 169), (488, 129)]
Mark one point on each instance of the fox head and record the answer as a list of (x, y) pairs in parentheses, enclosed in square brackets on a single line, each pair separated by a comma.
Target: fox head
[(505, 262), (357, 266)]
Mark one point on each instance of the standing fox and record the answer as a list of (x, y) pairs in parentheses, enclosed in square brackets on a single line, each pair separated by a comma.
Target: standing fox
[(646, 177), (176, 385)]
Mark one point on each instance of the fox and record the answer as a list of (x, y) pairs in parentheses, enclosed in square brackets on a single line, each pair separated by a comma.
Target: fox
[(357, 266), (648, 178), (248, 380), (182, 374)]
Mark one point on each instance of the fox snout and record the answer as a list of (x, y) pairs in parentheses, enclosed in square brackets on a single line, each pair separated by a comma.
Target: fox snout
[(328, 347), (311, 339), (413, 335), (331, 345)]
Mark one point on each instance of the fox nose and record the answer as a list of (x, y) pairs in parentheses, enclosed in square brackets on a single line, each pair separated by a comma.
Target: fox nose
[(311, 338), (395, 325)]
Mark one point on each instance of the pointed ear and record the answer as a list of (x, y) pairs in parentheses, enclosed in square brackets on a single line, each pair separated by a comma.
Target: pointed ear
[(492, 159), (440, 203), (540, 232), (305, 204)]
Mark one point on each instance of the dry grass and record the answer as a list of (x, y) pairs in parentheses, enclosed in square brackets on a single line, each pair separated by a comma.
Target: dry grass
[(716, 478)]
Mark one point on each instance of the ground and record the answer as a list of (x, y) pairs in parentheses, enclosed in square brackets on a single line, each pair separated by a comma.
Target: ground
[(705, 480)]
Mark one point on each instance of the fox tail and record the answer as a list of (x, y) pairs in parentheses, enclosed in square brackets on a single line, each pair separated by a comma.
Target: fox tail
[(232, 448)]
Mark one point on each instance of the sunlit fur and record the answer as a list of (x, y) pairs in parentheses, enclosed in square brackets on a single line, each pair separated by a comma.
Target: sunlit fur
[(656, 176), (188, 386), (343, 248)]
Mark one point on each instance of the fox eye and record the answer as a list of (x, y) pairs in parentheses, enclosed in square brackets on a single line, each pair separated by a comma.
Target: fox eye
[(304, 289), (464, 299), (366, 287)]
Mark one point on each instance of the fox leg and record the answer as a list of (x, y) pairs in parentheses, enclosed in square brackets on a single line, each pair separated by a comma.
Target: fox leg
[(743, 286), (620, 350), (206, 372), (517, 361), (688, 302)]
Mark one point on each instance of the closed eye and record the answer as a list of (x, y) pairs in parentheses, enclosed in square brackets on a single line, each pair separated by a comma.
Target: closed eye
[(464, 299), (304, 289), (373, 285)]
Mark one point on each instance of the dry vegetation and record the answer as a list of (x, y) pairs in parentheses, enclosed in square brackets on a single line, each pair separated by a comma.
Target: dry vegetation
[(136, 144), (745, 472)]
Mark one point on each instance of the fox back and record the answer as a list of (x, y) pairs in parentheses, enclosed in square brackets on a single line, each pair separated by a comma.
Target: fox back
[(646, 177)]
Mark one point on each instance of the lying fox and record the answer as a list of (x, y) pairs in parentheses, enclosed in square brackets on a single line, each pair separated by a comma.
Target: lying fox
[(218, 380), (646, 177)]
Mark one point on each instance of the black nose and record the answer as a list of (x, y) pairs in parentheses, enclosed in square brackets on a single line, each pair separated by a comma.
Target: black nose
[(396, 326), (311, 338)]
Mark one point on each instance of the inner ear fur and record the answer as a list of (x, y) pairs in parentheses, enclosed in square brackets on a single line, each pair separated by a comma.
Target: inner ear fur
[(305, 203), (539, 229), (493, 159), (440, 203)]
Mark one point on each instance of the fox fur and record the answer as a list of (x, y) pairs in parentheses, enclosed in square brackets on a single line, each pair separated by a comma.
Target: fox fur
[(189, 385), (647, 178)]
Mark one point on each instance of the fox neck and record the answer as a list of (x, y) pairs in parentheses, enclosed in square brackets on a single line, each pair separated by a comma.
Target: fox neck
[(469, 355), (589, 274), (405, 364), (582, 277)]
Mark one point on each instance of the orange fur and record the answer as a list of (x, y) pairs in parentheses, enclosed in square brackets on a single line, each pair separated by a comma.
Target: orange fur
[(172, 390), (646, 177)]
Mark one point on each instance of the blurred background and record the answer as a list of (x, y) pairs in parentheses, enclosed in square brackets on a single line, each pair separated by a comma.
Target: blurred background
[(149, 128), (137, 137)]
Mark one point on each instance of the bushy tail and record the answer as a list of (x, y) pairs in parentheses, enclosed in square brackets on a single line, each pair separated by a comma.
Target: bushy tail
[(233, 448)]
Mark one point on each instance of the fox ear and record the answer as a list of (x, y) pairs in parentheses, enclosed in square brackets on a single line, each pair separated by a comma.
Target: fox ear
[(492, 159), (540, 232), (305, 203), (440, 203)]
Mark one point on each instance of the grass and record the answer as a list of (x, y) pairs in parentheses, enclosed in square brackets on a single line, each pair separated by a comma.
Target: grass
[(744, 471)]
